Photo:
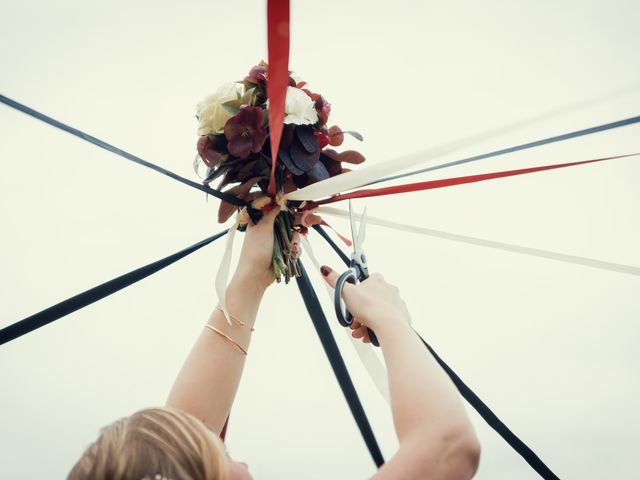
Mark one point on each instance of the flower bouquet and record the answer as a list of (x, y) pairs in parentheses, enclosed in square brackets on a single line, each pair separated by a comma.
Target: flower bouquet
[(234, 147)]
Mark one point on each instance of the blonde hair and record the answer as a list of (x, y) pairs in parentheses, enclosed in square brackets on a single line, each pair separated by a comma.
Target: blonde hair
[(154, 442)]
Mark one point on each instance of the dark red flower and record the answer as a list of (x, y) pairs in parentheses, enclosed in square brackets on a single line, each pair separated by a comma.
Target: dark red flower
[(322, 137), (322, 106), (209, 155), (245, 132), (257, 75)]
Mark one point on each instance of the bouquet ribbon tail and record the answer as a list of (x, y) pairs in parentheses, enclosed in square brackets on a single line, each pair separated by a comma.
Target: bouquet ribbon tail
[(222, 277)]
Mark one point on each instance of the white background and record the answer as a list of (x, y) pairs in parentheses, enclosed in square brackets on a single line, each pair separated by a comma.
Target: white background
[(551, 347)]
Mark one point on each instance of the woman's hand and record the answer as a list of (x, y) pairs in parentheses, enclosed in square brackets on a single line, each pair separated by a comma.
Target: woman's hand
[(372, 303), (257, 251)]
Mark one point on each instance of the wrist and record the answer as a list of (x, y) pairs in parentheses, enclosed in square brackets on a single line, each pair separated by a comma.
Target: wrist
[(248, 283), (387, 319)]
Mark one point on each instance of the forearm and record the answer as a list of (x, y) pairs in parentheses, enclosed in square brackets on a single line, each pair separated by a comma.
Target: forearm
[(208, 381), (423, 397), (428, 414)]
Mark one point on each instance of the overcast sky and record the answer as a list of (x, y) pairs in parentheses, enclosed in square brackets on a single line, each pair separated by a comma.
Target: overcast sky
[(551, 347)]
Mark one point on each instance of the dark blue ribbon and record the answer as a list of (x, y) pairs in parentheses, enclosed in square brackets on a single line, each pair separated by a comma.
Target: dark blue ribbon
[(94, 294), (337, 364), (524, 146), (102, 144)]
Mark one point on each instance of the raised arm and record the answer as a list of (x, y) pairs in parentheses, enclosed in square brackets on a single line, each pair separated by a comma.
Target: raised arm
[(436, 438), (208, 381)]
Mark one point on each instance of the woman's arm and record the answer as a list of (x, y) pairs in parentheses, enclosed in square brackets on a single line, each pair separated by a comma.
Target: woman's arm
[(436, 438), (208, 381)]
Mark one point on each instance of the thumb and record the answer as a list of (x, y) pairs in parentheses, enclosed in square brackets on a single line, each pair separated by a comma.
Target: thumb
[(269, 216), (330, 276)]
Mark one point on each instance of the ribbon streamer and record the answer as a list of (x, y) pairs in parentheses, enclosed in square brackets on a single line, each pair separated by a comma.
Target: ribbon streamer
[(368, 357), (94, 294), (509, 247), (447, 182), (222, 276), (493, 421), (330, 347), (517, 148), (277, 76), (376, 173), (110, 148)]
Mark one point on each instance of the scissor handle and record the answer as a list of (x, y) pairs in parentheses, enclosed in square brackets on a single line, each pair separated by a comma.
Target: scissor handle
[(344, 316)]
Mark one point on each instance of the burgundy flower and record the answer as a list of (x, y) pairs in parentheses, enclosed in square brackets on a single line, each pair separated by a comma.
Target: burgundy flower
[(322, 137), (206, 149), (245, 132), (257, 75), (323, 108)]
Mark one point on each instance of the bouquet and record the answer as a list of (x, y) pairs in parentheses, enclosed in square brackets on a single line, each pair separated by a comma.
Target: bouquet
[(234, 147)]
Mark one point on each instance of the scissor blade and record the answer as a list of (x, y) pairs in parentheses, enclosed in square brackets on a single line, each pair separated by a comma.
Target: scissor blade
[(353, 226), (362, 231)]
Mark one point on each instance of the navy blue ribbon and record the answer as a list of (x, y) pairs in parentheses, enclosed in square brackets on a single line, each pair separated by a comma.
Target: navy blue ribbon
[(517, 148), (102, 144), (337, 364), (94, 294)]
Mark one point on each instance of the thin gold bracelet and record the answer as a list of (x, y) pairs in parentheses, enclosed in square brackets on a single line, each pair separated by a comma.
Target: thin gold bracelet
[(229, 339), (234, 318)]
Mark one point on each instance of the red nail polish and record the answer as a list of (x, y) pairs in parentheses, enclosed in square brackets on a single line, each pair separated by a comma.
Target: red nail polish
[(325, 270)]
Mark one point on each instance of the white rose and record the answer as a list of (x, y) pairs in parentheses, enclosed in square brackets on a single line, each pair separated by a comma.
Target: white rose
[(299, 108), (212, 116)]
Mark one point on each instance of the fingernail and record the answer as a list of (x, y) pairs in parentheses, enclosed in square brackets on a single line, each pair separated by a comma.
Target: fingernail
[(325, 270)]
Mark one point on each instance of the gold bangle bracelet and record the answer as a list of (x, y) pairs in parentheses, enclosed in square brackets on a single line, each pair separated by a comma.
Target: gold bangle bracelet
[(227, 337), (234, 318)]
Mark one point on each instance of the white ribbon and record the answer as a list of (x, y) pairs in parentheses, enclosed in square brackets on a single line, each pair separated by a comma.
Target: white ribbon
[(369, 359), (536, 252), (363, 176), (222, 276)]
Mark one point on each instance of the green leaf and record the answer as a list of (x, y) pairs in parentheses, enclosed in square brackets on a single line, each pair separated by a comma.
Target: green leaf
[(231, 108)]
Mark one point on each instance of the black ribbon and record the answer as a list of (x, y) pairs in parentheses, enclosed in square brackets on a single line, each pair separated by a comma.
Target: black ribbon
[(94, 294), (337, 364), (493, 421), (102, 144), (335, 247), (524, 146), (479, 406)]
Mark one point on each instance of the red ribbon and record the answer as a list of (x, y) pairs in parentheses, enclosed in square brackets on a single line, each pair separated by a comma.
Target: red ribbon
[(447, 182), (346, 241), (277, 75)]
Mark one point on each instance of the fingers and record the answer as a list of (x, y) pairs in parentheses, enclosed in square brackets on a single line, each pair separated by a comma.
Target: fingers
[(271, 215), (330, 275), (296, 249), (363, 333), (376, 276)]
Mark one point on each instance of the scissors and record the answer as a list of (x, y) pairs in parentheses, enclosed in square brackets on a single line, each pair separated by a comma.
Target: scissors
[(358, 272)]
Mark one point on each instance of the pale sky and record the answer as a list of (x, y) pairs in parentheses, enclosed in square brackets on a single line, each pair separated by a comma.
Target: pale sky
[(549, 346)]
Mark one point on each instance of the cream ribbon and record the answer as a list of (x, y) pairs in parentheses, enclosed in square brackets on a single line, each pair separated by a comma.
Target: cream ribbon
[(509, 247), (367, 356), (362, 176), (222, 277)]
